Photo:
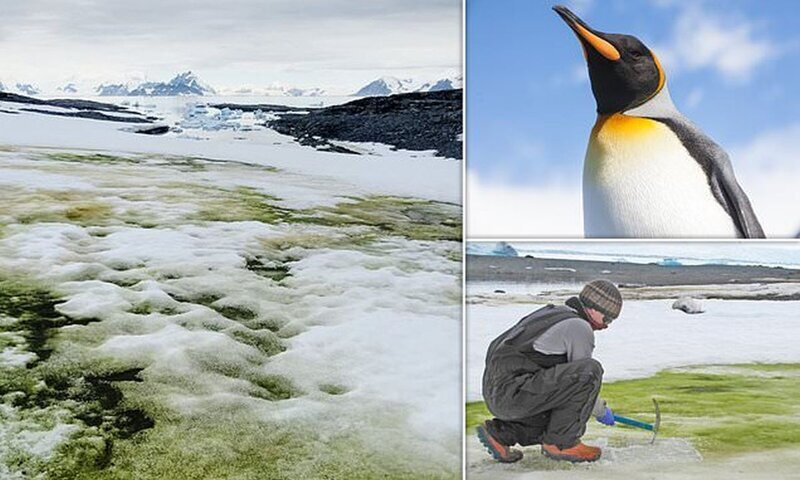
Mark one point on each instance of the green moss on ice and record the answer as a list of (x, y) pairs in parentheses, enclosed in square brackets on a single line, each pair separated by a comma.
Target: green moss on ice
[(33, 306), (723, 410), (333, 389), (243, 204), (273, 270), (93, 158), (229, 444), (407, 217), (275, 387), (235, 312), (476, 413), (264, 340), (61, 206), (146, 308)]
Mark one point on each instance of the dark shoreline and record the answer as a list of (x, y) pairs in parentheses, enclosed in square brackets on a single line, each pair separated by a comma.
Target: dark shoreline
[(487, 268), (409, 121)]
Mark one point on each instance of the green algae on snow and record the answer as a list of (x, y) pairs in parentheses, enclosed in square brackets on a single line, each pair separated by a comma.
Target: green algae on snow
[(333, 389), (94, 158), (55, 206), (725, 412), (722, 409), (406, 217), (228, 444), (243, 204), (33, 308)]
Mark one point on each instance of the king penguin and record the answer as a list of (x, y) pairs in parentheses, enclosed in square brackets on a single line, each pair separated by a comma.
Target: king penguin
[(649, 172)]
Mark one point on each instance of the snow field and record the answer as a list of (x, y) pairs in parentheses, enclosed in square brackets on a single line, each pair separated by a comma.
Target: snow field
[(649, 336), (236, 299)]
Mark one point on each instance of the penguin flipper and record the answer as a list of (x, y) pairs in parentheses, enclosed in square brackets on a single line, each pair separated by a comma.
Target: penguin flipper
[(717, 165), (725, 187)]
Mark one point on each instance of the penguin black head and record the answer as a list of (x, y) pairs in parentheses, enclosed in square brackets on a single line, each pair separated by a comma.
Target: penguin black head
[(623, 71)]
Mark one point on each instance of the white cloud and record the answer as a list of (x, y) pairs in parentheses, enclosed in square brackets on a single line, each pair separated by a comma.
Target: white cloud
[(496, 209), (695, 97), (768, 168), (702, 39), (311, 43)]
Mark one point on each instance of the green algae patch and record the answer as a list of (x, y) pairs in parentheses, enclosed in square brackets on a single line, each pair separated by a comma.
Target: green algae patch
[(235, 312), (55, 206), (476, 413), (273, 270), (406, 217), (230, 444), (264, 340), (243, 204), (723, 410), (92, 158), (333, 389), (733, 412), (275, 387), (146, 308), (33, 307)]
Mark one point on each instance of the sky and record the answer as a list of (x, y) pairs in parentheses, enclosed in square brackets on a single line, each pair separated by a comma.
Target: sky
[(335, 44), (732, 67)]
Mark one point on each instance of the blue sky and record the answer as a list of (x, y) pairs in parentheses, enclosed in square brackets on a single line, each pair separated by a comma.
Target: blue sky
[(732, 67)]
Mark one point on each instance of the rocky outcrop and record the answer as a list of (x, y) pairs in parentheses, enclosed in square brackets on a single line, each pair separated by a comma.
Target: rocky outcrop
[(411, 121), (76, 108)]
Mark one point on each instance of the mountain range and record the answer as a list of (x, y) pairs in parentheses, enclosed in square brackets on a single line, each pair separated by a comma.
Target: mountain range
[(188, 83), (393, 85)]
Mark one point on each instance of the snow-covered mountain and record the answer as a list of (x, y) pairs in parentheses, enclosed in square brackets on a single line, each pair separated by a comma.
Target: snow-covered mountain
[(21, 88), (386, 86), (69, 88), (112, 90), (273, 90), (443, 84), (393, 85), (186, 83), (304, 92)]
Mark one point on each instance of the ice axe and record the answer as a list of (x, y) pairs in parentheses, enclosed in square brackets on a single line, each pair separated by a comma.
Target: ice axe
[(653, 427)]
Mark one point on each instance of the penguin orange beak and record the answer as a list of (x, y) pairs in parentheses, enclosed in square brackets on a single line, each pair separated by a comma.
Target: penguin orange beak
[(588, 35)]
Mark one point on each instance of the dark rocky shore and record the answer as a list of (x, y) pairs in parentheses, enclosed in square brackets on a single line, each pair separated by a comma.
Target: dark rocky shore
[(77, 108), (410, 121), (484, 268), (254, 107)]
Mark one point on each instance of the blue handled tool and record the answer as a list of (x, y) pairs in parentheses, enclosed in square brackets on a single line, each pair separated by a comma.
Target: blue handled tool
[(653, 427)]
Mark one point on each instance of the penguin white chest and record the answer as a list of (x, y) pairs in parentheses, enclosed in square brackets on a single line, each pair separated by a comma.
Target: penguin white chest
[(640, 181)]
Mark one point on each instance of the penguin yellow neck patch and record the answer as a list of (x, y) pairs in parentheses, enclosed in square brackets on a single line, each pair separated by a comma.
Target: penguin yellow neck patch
[(612, 127), (620, 139)]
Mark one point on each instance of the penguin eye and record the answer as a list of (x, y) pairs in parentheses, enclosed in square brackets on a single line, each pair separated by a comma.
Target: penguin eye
[(637, 54)]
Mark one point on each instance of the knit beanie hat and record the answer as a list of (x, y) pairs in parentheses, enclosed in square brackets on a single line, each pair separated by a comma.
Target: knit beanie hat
[(602, 296)]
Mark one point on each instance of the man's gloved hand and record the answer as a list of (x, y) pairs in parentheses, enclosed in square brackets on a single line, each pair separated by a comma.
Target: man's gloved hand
[(607, 418)]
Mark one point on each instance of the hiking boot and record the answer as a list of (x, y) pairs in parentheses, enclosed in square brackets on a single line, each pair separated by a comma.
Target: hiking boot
[(501, 453), (579, 453)]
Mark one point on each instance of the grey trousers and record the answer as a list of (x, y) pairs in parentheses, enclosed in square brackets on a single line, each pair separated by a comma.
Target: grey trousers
[(552, 406)]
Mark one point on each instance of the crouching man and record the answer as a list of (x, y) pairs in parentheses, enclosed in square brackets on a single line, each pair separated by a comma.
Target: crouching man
[(541, 382)]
